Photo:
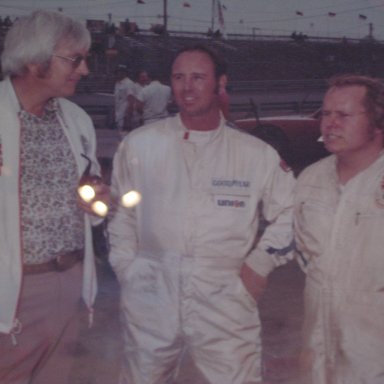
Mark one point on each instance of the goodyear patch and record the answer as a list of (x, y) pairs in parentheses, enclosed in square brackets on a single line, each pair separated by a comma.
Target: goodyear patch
[(231, 183)]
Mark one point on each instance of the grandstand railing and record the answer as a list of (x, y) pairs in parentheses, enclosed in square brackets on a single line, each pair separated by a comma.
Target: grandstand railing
[(96, 85)]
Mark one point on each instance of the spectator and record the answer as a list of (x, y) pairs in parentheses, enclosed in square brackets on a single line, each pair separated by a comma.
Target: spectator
[(46, 254), (339, 219), (142, 80), (124, 93), (7, 22), (185, 257), (153, 100)]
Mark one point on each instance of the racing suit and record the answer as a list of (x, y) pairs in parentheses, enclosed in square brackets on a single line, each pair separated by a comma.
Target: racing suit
[(122, 90), (339, 236), (178, 253)]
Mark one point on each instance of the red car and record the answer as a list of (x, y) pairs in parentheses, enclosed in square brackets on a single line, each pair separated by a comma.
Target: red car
[(295, 137)]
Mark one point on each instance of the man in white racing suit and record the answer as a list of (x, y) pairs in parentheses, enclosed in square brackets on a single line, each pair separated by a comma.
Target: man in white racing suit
[(339, 220), (185, 256)]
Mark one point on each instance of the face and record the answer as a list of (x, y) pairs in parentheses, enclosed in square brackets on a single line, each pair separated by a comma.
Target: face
[(143, 78), (63, 74), (195, 87), (120, 75), (345, 125)]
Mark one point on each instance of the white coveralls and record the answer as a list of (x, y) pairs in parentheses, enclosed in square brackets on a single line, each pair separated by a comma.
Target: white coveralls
[(155, 98), (178, 254), (122, 90), (340, 238)]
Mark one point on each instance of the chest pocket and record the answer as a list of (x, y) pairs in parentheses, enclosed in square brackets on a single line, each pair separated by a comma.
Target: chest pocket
[(367, 241), (313, 225)]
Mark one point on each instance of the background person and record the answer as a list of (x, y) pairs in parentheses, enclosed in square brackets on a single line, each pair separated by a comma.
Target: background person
[(153, 100), (339, 220), (46, 255), (142, 80), (185, 257), (124, 93)]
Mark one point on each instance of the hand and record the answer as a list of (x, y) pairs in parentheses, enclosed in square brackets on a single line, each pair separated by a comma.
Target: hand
[(253, 282)]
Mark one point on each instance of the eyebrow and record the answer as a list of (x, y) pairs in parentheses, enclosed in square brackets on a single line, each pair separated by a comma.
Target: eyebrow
[(193, 73)]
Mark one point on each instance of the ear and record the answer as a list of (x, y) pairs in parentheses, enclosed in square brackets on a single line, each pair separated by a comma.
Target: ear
[(37, 70), (222, 83), (32, 69)]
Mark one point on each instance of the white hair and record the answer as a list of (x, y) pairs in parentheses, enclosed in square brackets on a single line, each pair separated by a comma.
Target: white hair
[(34, 38)]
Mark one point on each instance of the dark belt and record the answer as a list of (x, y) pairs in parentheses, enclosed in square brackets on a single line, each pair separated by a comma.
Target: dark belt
[(60, 263)]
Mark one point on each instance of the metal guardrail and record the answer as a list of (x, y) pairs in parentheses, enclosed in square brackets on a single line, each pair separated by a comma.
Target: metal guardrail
[(92, 85), (102, 115)]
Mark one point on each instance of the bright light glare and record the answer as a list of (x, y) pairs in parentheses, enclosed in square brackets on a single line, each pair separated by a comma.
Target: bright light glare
[(130, 199), (86, 192), (100, 208)]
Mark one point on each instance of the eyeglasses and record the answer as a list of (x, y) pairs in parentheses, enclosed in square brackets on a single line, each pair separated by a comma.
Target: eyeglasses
[(76, 60)]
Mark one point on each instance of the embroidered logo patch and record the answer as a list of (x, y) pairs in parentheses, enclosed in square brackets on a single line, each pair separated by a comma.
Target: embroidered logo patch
[(231, 183), (231, 203), (236, 202)]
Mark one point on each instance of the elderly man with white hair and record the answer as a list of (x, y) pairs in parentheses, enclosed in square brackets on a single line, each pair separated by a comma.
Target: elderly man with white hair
[(46, 255)]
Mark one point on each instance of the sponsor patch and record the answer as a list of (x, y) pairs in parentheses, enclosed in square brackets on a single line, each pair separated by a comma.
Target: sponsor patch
[(231, 202), (231, 183)]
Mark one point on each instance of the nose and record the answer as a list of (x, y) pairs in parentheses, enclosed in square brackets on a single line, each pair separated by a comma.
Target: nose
[(83, 68), (187, 84), (329, 119)]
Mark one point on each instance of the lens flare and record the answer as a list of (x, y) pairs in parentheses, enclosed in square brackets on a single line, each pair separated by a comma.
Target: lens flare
[(131, 199), (86, 192), (100, 208)]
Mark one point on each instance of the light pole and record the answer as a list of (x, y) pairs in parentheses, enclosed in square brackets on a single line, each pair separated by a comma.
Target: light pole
[(213, 15), (165, 16)]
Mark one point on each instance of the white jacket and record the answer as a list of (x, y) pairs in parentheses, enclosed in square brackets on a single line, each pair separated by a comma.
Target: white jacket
[(201, 200), (80, 132)]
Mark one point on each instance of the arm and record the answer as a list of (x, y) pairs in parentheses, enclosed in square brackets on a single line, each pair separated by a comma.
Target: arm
[(275, 246), (129, 112), (121, 220)]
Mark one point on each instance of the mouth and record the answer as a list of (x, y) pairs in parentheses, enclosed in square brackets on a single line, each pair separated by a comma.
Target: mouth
[(331, 137), (189, 99)]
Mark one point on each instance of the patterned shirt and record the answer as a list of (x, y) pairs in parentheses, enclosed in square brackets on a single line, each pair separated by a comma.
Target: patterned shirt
[(52, 223)]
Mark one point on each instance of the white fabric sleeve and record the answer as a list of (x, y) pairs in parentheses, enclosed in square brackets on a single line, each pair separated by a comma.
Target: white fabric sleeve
[(121, 220), (276, 245)]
